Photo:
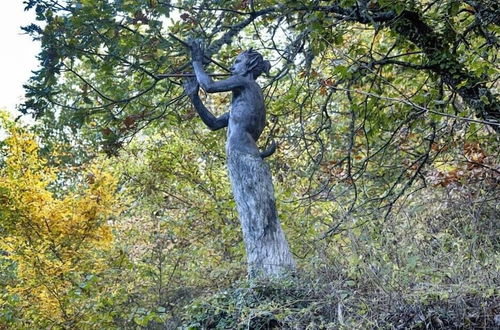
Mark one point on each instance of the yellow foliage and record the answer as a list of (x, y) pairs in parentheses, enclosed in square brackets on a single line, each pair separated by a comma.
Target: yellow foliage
[(56, 242)]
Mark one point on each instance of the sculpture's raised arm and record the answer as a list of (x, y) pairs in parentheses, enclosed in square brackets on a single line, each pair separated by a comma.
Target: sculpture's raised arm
[(204, 79)]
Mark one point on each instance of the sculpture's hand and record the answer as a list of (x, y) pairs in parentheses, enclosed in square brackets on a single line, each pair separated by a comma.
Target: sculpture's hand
[(191, 86), (197, 51)]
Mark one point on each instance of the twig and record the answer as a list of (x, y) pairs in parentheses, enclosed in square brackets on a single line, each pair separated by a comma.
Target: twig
[(205, 56), (184, 75)]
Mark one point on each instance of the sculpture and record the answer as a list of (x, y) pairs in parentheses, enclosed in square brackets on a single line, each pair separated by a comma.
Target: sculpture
[(268, 253), (248, 115)]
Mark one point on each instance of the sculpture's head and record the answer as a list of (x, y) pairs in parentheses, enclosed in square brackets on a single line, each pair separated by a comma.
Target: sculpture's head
[(252, 62)]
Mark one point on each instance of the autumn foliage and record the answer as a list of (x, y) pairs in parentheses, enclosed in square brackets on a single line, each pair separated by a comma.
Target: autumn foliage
[(52, 242), (387, 173)]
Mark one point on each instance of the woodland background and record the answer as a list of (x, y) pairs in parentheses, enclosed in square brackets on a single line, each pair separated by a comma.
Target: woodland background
[(115, 208)]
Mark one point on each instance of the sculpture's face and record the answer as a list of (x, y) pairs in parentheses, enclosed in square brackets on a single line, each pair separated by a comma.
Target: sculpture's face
[(240, 65)]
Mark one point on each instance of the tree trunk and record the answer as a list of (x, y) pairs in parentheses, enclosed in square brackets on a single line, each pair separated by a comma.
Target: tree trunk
[(268, 254)]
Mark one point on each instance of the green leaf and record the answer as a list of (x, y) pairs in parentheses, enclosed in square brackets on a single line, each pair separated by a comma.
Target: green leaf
[(485, 99)]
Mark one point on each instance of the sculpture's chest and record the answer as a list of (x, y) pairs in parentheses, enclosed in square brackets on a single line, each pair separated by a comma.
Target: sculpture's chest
[(248, 99)]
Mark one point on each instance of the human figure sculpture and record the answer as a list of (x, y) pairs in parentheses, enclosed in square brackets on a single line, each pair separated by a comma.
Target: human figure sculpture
[(268, 253), (247, 118)]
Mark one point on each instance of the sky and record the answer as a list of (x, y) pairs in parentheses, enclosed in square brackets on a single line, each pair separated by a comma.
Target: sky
[(17, 54)]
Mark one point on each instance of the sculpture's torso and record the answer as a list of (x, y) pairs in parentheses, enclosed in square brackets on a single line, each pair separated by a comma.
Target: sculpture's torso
[(247, 118)]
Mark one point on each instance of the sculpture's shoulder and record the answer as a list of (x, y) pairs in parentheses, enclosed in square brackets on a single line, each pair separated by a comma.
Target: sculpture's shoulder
[(256, 91), (252, 89), (245, 81), (250, 94)]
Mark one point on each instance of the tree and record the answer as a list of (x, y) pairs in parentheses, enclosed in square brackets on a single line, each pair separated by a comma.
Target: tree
[(54, 243), (369, 97)]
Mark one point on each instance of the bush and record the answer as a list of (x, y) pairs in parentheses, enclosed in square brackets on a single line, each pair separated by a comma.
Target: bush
[(303, 303)]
